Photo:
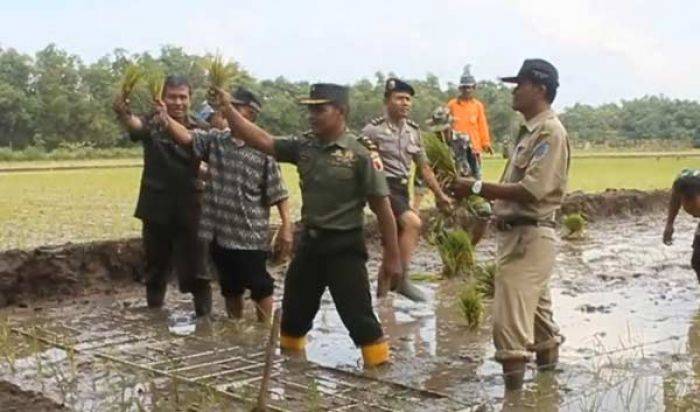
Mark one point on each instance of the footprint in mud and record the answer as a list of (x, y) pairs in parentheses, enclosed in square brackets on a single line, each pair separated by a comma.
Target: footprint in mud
[(588, 308)]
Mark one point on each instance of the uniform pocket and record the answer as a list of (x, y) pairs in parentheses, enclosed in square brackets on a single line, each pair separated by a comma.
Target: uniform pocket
[(340, 172)]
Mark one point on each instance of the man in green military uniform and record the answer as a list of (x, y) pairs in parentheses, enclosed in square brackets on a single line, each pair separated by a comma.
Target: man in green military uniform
[(168, 203), (685, 193), (526, 200), (337, 179), (398, 142)]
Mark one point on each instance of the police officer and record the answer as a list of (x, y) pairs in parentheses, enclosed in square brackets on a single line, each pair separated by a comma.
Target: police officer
[(526, 199), (685, 193), (337, 179), (398, 142), (168, 203)]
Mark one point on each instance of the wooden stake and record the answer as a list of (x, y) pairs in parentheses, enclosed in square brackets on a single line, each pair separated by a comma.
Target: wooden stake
[(269, 354)]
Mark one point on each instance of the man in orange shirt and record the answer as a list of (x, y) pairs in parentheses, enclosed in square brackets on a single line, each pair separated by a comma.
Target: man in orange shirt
[(469, 115)]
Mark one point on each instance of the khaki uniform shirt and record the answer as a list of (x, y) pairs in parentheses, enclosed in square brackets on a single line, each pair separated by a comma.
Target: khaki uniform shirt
[(398, 145), (540, 163), (335, 179)]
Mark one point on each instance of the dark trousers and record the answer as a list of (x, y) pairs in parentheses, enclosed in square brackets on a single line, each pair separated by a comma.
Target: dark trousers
[(695, 260), (335, 260), (173, 247)]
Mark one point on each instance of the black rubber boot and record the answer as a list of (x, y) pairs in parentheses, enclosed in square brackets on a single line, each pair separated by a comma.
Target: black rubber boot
[(514, 374), (155, 295), (547, 359), (202, 298)]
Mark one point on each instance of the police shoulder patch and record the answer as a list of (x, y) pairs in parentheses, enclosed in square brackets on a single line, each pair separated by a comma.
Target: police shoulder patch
[(540, 151), (367, 143), (377, 121)]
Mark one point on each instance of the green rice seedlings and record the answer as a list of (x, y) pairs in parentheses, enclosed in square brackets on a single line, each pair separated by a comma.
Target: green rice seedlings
[(457, 253), (574, 226), (155, 81), (132, 75), (220, 73), (484, 275), (471, 304), (441, 159)]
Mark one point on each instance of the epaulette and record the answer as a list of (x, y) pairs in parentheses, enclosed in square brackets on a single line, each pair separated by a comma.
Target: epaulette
[(367, 143), (377, 121), (412, 124)]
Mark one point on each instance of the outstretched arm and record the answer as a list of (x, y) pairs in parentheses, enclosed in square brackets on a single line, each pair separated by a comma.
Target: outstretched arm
[(441, 199), (513, 192), (131, 123), (673, 207), (243, 129)]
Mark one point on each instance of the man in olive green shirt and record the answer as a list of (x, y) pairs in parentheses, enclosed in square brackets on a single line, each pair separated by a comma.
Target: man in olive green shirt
[(337, 179), (526, 200)]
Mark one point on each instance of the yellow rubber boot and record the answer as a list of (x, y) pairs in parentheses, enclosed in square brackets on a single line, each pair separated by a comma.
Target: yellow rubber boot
[(375, 354), (292, 343)]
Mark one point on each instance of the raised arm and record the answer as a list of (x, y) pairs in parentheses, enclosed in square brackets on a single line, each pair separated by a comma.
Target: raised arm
[(243, 129), (131, 123)]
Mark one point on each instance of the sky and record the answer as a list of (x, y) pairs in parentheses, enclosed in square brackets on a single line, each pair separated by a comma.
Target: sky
[(605, 51)]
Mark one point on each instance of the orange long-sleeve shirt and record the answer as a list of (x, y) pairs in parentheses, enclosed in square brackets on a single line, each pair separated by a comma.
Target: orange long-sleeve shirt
[(470, 117)]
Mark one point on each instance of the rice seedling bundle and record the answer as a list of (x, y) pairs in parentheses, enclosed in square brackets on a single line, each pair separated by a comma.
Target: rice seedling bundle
[(471, 304), (155, 81), (132, 75), (456, 252)]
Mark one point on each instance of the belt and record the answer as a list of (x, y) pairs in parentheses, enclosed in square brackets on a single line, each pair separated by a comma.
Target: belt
[(399, 180), (315, 233), (508, 224)]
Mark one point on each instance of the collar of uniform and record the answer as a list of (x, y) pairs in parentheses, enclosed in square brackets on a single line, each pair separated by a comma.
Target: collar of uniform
[(341, 142), (393, 126), (537, 121)]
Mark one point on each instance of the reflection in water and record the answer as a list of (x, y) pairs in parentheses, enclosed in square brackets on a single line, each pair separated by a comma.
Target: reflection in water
[(681, 389)]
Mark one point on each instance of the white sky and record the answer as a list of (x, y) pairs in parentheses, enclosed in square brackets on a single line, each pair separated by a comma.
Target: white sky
[(605, 50)]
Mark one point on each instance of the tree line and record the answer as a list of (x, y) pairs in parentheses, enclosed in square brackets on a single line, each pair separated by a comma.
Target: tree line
[(53, 99)]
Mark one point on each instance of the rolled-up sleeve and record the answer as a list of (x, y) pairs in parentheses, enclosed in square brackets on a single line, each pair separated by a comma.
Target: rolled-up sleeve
[(275, 189), (287, 149)]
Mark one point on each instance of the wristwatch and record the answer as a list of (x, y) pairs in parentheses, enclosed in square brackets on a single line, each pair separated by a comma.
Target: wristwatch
[(476, 187)]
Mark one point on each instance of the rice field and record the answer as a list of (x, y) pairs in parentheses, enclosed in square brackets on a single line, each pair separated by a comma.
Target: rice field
[(46, 207)]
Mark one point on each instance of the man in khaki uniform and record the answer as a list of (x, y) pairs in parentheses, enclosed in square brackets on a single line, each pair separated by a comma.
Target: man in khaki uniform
[(526, 199), (398, 142)]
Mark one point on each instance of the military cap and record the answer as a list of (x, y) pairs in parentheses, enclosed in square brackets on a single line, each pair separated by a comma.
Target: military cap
[(245, 97), (440, 120), (322, 93), (397, 85), (536, 70)]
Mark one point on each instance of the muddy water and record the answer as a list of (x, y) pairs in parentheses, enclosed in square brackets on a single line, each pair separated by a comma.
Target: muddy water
[(627, 305)]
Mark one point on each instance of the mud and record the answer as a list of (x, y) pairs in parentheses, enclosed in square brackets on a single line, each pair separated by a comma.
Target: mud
[(13, 399), (72, 270), (61, 272), (627, 305)]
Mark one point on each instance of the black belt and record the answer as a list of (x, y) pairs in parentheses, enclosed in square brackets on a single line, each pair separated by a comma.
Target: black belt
[(508, 224), (397, 180), (315, 233)]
